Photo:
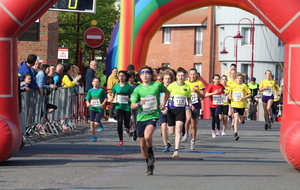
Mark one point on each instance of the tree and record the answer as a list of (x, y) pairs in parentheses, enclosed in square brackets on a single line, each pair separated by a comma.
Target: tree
[(106, 16)]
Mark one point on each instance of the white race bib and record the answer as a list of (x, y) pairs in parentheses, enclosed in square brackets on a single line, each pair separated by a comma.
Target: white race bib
[(217, 99), (237, 96), (150, 103), (275, 94), (267, 92), (121, 99), (95, 102), (194, 98), (225, 99), (179, 101)]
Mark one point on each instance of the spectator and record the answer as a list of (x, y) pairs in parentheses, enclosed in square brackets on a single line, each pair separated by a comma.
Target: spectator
[(130, 70), (67, 80), (58, 75), (37, 66), (90, 74), (111, 82), (103, 79), (42, 77), (25, 68), (24, 85), (74, 72)]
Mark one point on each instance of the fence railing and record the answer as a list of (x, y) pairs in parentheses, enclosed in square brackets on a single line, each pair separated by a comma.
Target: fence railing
[(35, 119)]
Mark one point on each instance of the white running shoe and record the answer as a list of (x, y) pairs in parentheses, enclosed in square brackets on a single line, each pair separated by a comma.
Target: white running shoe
[(193, 145), (223, 133), (185, 137), (112, 120), (176, 154), (213, 134), (218, 133)]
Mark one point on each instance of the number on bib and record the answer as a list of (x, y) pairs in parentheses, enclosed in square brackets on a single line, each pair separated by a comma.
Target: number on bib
[(237, 96), (217, 99), (95, 102), (267, 92), (179, 101), (194, 98), (121, 99), (150, 103)]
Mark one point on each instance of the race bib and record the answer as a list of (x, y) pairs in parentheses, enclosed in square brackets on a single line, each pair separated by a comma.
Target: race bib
[(179, 101), (150, 103), (267, 92), (95, 102), (121, 99), (217, 99), (225, 99), (237, 96), (194, 98)]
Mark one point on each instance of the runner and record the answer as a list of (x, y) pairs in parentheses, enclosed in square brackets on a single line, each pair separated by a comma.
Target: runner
[(267, 86), (231, 82), (145, 97), (197, 88), (180, 93), (166, 78), (276, 102), (225, 107), (95, 100), (131, 81), (122, 91), (254, 87), (215, 91), (238, 96)]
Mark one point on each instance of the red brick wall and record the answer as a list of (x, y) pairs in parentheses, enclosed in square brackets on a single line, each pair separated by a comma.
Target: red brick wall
[(181, 51), (46, 48)]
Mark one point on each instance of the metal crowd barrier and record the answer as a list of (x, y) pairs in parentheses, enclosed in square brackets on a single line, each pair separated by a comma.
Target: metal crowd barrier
[(35, 119)]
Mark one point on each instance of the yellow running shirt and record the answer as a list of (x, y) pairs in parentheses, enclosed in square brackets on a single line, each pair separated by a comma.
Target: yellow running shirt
[(239, 90)]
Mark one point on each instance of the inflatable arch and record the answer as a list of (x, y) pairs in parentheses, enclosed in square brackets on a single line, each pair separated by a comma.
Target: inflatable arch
[(132, 42)]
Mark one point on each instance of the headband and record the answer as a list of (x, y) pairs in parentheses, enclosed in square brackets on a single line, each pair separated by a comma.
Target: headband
[(145, 71)]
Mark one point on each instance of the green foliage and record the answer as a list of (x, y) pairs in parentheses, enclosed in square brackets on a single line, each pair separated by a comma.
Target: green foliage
[(106, 16)]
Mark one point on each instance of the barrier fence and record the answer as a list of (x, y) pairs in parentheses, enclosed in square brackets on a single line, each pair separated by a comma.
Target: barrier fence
[(36, 120)]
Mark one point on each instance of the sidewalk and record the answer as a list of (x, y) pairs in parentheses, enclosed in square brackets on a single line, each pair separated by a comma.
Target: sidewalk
[(75, 162)]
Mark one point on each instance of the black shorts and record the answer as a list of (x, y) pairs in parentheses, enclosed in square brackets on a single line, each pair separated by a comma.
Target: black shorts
[(175, 115), (224, 110), (95, 116), (162, 119), (239, 110), (141, 126), (195, 113)]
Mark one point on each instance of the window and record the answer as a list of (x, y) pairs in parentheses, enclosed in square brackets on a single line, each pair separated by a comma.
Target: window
[(244, 68), (280, 43), (198, 67), (246, 36), (165, 64), (199, 41), (167, 36)]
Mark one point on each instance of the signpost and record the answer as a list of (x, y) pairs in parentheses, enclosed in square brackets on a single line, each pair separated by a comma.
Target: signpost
[(63, 53)]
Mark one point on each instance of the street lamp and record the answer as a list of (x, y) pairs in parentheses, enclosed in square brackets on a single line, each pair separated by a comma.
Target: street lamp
[(239, 36), (235, 48)]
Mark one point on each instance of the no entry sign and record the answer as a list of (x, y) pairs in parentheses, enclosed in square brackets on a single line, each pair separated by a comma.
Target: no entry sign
[(93, 37)]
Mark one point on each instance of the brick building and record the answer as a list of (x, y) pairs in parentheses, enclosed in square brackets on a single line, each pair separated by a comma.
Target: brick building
[(185, 41), (46, 46)]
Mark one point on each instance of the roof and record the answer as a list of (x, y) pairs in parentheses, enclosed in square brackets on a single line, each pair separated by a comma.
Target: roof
[(194, 17)]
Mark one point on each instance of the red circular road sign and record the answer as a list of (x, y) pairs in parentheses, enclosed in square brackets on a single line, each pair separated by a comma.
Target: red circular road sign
[(93, 37)]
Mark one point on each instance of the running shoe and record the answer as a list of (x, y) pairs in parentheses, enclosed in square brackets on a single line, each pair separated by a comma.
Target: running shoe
[(169, 144), (266, 126), (134, 136), (236, 137), (112, 120), (94, 139), (243, 122), (29, 135), (150, 169), (218, 133), (176, 154), (121, 143), (127, 131), (213, 134), (101, 127), (193, 145), (130, 133), (42, 132), (166, 149), (223, 133), (185, 137), (269, 126)]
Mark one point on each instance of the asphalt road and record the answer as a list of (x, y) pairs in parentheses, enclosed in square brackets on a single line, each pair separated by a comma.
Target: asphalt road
[(73, 161)]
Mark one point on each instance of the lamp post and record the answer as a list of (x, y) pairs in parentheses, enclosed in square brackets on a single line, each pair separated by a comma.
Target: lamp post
[(238, 36), (235, 48)]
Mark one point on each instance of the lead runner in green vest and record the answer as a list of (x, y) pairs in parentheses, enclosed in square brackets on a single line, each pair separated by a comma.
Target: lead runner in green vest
[(145, 97)]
